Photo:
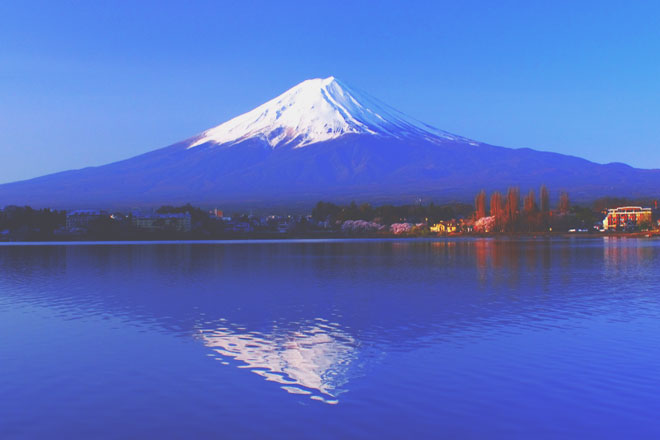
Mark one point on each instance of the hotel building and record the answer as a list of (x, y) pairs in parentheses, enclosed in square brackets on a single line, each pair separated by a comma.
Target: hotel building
[(627, 217)]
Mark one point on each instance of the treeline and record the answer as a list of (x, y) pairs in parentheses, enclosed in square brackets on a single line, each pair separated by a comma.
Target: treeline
[(604, 203), (389, 214), (29, 223), (511, 213)]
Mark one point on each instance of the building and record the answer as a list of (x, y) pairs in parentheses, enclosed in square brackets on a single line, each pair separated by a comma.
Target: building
[(284, 227), (240, 227), (627, 218), (163, 222), (445, 227), (82, 219)]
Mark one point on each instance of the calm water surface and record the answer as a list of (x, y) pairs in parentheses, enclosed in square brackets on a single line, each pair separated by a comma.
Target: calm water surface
[(331, 339)]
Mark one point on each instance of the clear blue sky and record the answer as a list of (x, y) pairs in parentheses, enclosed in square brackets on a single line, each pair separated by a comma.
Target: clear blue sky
[(90, 82)]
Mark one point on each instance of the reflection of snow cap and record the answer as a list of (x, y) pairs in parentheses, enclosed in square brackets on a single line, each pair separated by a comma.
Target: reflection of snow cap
[(312, 359)]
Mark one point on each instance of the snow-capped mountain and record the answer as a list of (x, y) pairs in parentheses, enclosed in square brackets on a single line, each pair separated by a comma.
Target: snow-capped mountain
[(323, 140), (319, 110)]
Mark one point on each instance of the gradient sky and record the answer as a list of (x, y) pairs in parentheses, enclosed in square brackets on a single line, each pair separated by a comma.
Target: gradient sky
[(86, 83)]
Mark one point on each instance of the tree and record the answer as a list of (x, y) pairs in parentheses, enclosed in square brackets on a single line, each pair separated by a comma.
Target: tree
[(497, 210), (645, 225), (529, 203), (480, 205), (325, 211), (545, 200), (563, 203), (511, 209), (530, 211), (545, 207)]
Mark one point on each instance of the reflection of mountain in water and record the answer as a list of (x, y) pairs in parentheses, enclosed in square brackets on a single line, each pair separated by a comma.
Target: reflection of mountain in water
[(387, 296), (313, 360)]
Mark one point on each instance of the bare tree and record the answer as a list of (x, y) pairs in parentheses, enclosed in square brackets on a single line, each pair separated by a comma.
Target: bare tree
[(545, 200), (563, 203), (511, 209), (497, 210), (480, 205), (529, 204), (530, 211), (544, 221)]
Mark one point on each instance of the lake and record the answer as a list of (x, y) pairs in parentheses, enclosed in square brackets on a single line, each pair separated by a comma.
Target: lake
[(466, 338)]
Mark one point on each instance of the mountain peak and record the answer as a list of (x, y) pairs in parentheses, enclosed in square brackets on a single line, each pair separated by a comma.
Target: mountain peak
[(318, 110)]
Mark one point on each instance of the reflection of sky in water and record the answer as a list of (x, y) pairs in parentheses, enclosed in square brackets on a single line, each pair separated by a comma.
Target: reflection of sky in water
[(313, 359)]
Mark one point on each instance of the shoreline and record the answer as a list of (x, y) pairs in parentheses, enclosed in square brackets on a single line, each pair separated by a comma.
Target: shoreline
[(265, 238)]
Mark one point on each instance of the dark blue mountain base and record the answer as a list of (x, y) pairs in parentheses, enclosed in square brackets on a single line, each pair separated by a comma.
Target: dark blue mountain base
[(353, 167)]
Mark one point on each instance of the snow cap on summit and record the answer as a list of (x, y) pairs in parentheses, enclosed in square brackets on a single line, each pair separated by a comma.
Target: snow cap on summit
[(318, 110)]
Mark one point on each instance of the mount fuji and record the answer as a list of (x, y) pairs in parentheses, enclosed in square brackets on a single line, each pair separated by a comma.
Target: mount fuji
[(323, 140), (319, 110)]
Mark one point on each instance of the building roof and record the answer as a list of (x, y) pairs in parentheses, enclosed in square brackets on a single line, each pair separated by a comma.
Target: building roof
[(628, 208), (85, 212), (163, 216)]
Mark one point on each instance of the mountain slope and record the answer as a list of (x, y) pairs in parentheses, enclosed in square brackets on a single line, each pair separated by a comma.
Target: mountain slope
[(318, 110), (323, 140)]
